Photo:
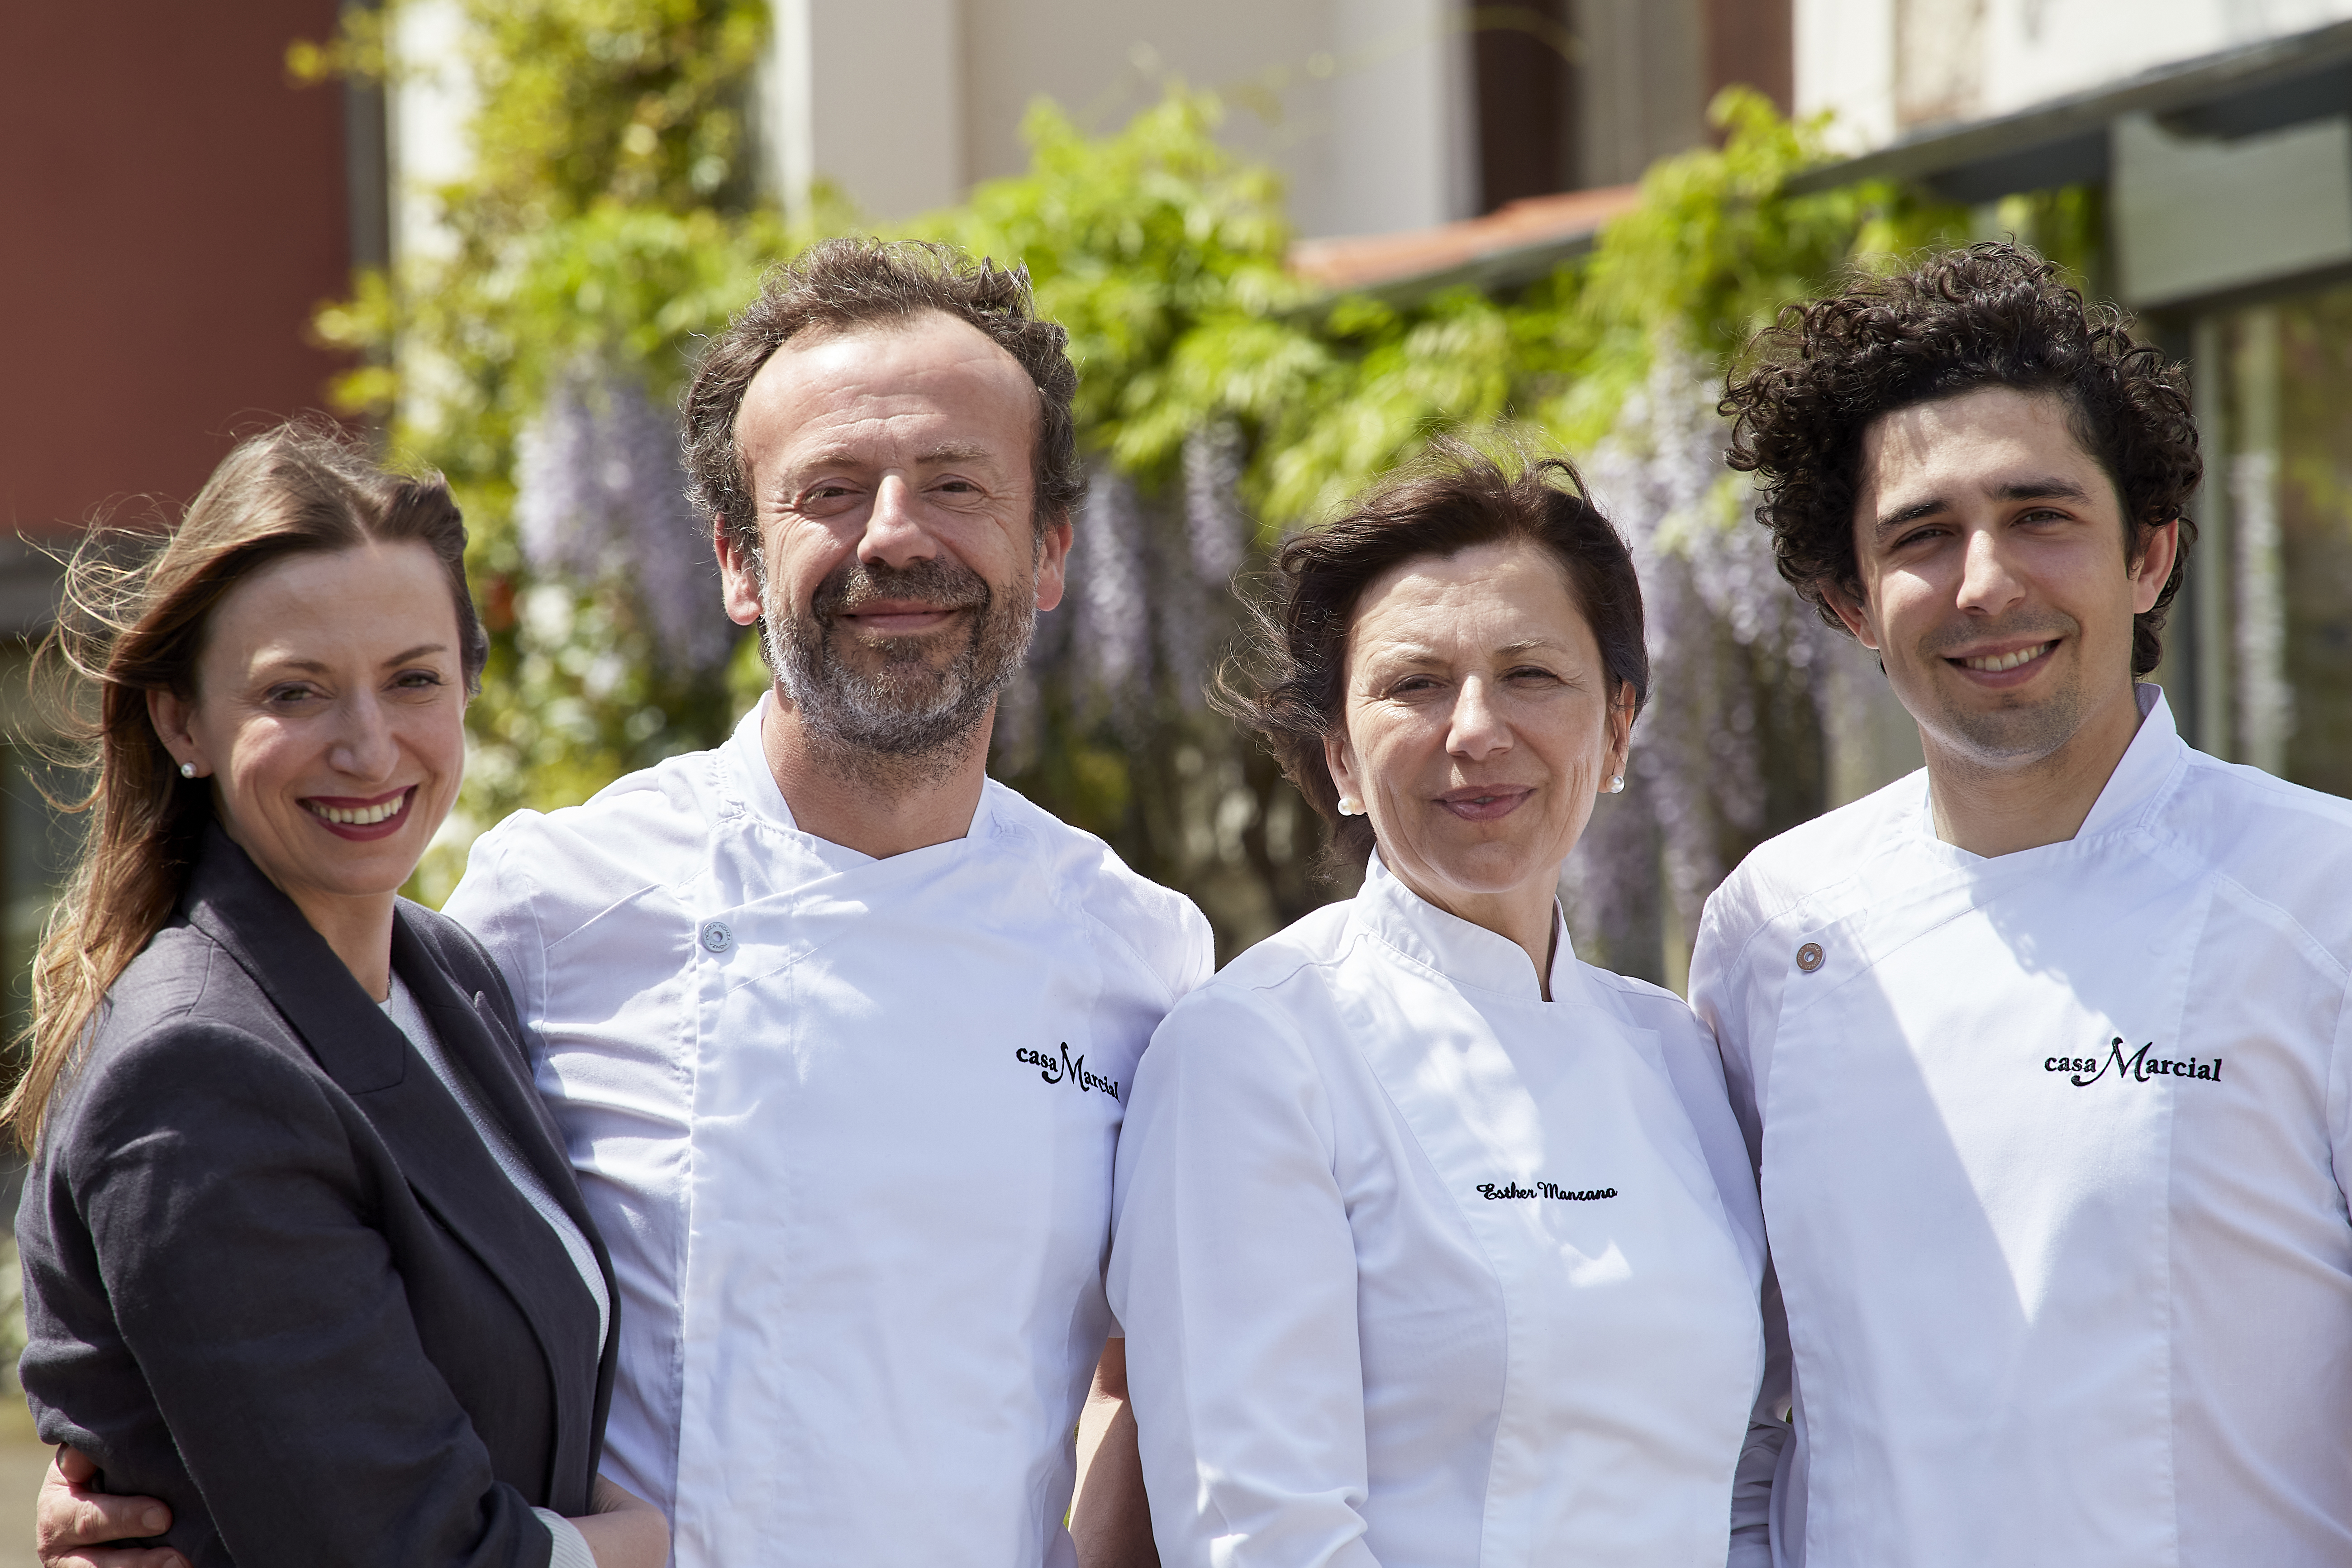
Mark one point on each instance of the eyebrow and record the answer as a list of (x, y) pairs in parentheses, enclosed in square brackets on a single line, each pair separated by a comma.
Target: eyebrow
[(956, 452), (945, 452), (1422, 652), (419, 651), (2049, 487), (317, 667)]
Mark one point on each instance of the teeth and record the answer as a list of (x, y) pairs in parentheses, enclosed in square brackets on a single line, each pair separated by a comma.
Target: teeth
[(358, 816), (1993, 664)]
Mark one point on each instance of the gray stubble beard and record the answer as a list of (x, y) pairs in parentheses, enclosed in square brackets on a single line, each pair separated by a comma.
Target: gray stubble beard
[(908, 724)]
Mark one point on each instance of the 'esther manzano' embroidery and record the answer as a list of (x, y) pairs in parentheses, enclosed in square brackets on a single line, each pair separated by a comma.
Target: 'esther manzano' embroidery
[(1492, 1190), (1063, 1069)]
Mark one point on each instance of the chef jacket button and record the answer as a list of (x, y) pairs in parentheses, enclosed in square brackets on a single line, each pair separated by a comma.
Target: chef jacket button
[(717, 937), (1809, 957)]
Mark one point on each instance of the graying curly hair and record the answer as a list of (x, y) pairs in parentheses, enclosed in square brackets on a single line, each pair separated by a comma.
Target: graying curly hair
[(851, 282)]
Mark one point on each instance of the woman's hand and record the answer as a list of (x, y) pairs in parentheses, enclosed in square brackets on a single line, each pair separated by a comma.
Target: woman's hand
[(625, 1530), (72, 1524)]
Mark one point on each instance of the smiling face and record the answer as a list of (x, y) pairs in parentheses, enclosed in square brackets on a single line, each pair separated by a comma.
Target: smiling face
[(1478, 726), (1996, 587), (898, 567), (329, 714)]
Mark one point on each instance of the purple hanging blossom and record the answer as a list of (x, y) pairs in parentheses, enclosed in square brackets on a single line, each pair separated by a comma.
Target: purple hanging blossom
[(1213, 524), (600, 494), (1112, 635), (1193, 560)]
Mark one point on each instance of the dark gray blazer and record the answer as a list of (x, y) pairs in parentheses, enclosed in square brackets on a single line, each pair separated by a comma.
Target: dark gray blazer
[(273, 1277)]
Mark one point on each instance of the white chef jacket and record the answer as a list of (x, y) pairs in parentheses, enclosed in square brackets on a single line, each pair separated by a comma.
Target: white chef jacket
[(846, 1125), (1419, 1269), (2054, 1148)]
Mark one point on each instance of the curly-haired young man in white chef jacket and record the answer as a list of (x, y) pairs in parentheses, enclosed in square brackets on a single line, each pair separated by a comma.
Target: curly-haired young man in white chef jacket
[(2043, 1051), (839, 1031)]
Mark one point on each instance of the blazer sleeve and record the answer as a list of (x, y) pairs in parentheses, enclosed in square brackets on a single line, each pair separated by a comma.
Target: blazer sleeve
[(233, 1223)]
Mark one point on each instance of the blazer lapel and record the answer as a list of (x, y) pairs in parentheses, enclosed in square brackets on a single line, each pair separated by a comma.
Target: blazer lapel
[(436, 1147), (498, 1073)]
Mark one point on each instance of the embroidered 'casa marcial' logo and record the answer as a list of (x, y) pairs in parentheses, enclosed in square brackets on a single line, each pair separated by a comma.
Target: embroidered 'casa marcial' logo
[(1491, 1191), (1064, 1068), (2139, 1067)]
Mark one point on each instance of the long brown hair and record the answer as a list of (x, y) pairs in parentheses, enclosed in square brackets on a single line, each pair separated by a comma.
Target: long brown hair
[(133, 621)]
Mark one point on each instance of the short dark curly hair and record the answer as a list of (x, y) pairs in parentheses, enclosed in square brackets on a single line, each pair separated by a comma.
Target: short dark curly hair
[(1996, 314), (844, 283), (1289, 684)]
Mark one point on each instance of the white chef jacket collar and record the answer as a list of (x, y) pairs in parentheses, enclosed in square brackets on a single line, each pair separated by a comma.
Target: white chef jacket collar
[(1465, 953), (753, 786), (2148, 764)]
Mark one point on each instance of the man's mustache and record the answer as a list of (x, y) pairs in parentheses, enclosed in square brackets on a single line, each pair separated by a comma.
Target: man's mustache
[(941, 585), (1950, 642)]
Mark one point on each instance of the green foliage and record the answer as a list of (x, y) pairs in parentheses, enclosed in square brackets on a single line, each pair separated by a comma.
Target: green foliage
[(609, 221), (1137, 243), (605, 222)]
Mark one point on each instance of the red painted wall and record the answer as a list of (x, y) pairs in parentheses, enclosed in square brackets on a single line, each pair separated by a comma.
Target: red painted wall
[(171, 208)]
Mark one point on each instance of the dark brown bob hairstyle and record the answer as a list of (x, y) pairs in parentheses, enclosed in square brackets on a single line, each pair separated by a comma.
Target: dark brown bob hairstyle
[(133, 620), (1291, 685), (1810, 386)]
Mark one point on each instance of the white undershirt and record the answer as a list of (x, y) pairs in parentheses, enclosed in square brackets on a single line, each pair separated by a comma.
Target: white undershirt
[(571, 1548), (402, 1009)]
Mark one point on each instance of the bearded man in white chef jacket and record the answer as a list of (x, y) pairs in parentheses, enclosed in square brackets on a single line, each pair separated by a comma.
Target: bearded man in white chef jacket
[(840, 1030), (2043, 1051)]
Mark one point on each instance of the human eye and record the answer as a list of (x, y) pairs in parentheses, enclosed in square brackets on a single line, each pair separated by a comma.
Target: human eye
[(825, 498), (292, 694), (959, 491), (1531, 673), (418, 681)]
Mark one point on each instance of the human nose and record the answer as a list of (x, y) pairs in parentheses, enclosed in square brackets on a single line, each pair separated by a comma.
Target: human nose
[(894, 533), (364, 745), (1988, 581), (1477, 729)]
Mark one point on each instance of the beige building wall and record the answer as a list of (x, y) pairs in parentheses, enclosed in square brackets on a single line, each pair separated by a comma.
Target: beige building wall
[(1361, 105), (1885, 67)]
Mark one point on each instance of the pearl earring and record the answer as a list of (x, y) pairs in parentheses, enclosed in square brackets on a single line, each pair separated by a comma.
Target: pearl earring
[(187, 770), (1617, 785), (1350, 806)]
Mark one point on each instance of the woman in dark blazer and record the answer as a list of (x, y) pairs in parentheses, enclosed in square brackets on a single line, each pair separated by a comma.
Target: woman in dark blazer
[(303, 1256)]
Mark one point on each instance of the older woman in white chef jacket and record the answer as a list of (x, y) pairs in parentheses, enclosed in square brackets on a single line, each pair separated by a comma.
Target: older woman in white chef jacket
[(1434, 1246)]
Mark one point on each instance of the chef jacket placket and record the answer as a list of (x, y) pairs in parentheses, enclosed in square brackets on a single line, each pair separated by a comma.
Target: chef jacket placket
[(1650, 1270), (1965, 1226), (875, 1162)]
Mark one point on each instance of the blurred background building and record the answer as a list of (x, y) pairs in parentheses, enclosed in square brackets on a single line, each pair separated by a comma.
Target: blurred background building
[(180, 207), (188, 202)]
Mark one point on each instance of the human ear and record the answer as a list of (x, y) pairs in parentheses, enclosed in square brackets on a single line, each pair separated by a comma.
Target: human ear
[(1621, 730), (1338, 756), (2159, 548), (1053, 558), (170, 713), (738, 574), (1852, 613)]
